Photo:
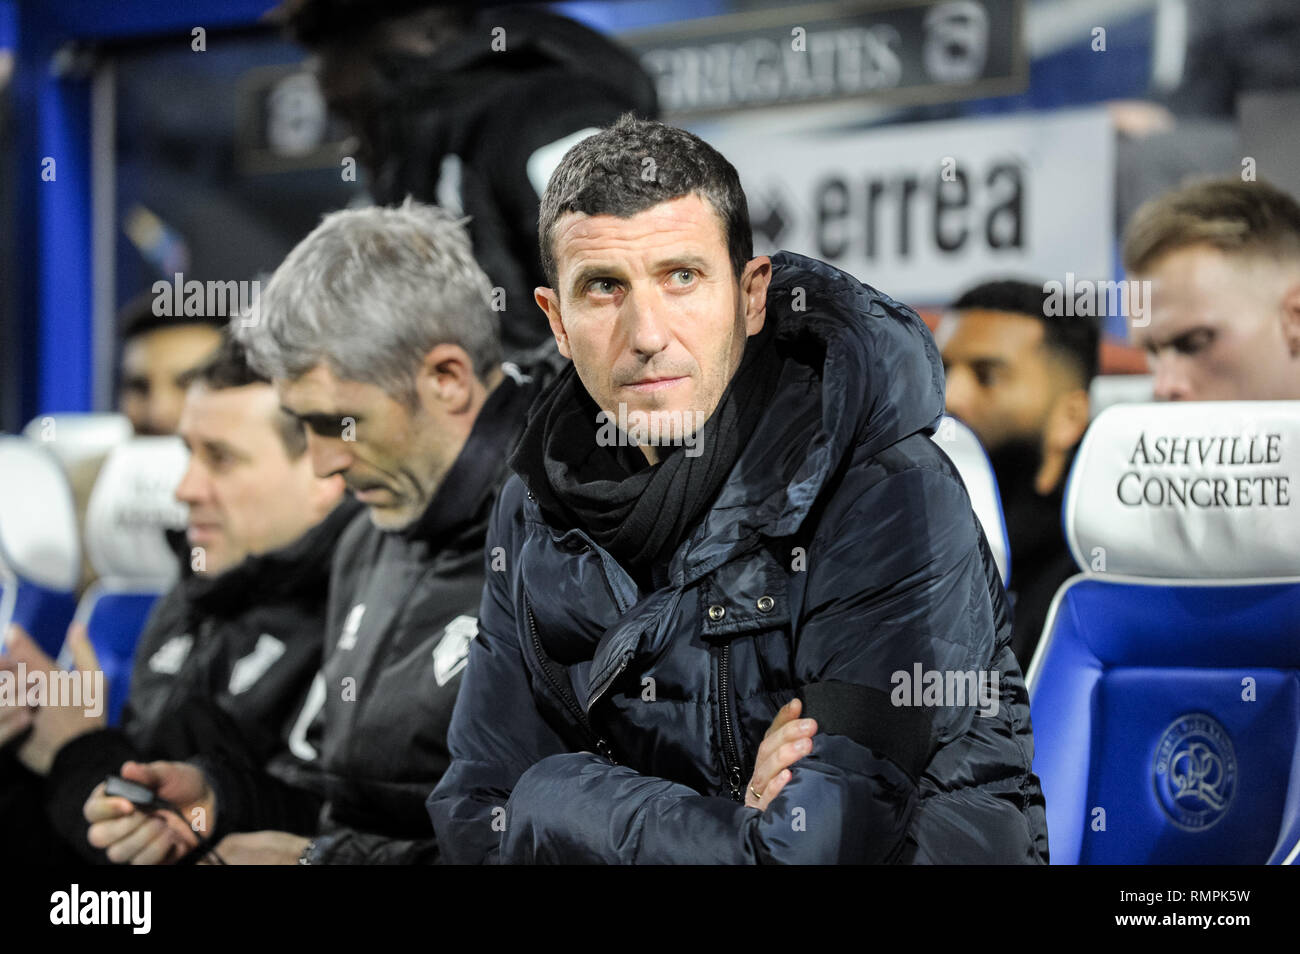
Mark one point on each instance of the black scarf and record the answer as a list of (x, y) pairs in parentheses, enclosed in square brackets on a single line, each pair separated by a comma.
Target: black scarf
[(639, 513)]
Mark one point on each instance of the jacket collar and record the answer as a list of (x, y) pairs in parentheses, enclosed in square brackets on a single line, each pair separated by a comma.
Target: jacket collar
[(861, 372), (297, 569)]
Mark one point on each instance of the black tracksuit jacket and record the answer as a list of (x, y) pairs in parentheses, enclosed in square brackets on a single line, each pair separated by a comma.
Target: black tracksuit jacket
[(221, 666)]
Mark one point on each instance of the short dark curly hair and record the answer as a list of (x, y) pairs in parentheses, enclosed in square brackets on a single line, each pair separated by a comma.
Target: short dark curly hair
[(229, 368), (634, 165), (1076, 339)]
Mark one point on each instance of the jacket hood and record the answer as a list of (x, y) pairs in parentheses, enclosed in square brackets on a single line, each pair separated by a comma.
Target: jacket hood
[(861, 372)]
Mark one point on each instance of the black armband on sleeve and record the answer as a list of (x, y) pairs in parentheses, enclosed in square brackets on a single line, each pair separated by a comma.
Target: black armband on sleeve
[(868, 717)]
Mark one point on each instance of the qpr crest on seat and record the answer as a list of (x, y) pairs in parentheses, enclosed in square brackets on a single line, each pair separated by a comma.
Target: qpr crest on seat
[(1195, 771)]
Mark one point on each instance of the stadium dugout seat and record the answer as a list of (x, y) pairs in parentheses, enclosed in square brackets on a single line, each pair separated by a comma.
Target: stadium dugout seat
[(131, 508), (40, 557), (81, 443), (1165, 692), (1108, 390), (74, 438), (967, 453)]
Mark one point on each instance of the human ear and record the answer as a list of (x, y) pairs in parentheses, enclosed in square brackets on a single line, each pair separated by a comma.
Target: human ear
[(1067, 420), (549, 302), (1291, 320), (754, 283), (445, 379)]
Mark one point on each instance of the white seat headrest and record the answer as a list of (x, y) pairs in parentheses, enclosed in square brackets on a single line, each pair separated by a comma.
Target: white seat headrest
[(1189, 490), (73, 438), (1108, 390), (133, 503), (967, 453), (38, 520)]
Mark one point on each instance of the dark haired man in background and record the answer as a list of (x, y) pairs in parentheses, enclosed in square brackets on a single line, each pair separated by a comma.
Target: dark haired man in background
[(158, 354), (470, 109), (1020, 380)]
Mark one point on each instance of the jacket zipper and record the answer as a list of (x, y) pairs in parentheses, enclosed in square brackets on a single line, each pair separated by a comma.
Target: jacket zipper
[(730, 754), (601, 746)]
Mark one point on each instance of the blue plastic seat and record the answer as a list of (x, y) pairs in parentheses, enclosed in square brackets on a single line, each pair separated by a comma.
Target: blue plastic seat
[(114, 620), (1165, 692), (40, 552), (967, 453), (130, 510)]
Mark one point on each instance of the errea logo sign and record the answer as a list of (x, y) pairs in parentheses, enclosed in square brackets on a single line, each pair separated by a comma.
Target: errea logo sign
[(102, 907)]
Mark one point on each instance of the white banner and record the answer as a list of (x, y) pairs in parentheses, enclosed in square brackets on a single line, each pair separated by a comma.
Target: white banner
[(923, 211)]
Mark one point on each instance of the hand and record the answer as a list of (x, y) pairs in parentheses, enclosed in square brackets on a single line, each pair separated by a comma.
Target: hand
[(1138, 118), (787, 740), (137, 837), (55, 725), (14, 719), (261, 848)]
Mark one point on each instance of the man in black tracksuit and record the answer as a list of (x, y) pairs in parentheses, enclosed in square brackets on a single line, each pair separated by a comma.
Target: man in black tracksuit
[(222, 665), (228, 653), (426, 452), (403, 608)]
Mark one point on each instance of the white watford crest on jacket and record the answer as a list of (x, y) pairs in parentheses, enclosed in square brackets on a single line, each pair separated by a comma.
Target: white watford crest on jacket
[(348, 638), (253, 667), (452, 651), (171, 655)]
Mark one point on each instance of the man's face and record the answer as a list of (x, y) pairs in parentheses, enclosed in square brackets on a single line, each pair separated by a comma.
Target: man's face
[(650, 311), (153, 367), (355, 83), (1218, 329), (999, 376), (245, 494), (392, 456)]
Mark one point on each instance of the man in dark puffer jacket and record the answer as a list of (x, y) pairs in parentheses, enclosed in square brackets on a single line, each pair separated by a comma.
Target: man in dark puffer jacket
[(669, 586)]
